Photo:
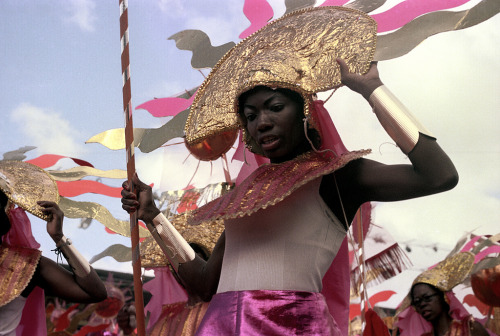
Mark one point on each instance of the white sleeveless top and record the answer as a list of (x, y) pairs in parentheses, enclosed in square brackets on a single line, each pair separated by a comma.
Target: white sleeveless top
[(10, 316), (289, 246)]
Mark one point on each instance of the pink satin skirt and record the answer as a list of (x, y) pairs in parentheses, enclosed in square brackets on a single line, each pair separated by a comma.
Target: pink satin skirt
[(264, 312)]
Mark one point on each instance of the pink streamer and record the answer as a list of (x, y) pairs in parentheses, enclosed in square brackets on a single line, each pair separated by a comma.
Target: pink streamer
[(334, 3), (404, 12), (76, 188), (166, 107), (492, 249), (48, 160), (467, 247), (258, 12)]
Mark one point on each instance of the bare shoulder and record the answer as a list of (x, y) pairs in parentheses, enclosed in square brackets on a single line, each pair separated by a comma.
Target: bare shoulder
[(353, 173)]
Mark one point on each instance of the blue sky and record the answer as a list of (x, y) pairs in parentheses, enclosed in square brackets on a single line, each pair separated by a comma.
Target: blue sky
[(61, 84)]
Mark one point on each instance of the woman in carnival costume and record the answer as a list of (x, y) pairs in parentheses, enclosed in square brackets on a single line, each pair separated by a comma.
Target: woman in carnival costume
[(432, 309), (25, 275), (286, 221)]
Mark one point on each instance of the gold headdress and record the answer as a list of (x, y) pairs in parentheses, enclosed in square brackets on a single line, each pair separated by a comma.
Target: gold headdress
[(448, 273), (25, 184), (297, 52), (444, 276)]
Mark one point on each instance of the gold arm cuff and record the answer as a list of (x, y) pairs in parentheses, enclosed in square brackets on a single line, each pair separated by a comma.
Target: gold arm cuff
[(76, 261), (175, 247), (396, 119)]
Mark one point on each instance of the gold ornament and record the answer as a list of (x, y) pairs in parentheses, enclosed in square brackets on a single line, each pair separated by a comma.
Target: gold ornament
[(25, 184), (297, 52)]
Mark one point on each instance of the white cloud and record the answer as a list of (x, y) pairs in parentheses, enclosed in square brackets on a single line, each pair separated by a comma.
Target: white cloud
[(171, 6), (47, 130), (82, 13)]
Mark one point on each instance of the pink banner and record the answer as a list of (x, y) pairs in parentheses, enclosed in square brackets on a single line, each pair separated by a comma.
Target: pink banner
[(492, 249), (76, 188), (334, 3), (166, 107), (470, 244), (48, 160), (404, 12), (258, 12)]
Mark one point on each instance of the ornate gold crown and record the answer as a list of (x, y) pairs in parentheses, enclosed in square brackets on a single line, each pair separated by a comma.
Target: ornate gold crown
[(297, 51), (25, 184)]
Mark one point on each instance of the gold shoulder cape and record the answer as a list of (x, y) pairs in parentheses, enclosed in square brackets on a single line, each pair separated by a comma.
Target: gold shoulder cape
[(270, 184), (17, 266)]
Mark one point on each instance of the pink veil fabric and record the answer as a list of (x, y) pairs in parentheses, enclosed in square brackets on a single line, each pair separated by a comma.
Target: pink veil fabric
[(33, 318), (410, 323), (165, 290), (336, 282)]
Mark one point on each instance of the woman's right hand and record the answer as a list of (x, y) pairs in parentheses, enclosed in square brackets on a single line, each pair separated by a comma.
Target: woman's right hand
[(141, 200), (362, 84)]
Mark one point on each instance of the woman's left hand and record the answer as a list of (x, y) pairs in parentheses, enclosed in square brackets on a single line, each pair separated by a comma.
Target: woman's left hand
[(55, 222), (363, 84)]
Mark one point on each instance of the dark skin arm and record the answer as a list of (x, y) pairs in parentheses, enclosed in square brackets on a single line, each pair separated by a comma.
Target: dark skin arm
[(431, 170), (57, 281), (199, 276)]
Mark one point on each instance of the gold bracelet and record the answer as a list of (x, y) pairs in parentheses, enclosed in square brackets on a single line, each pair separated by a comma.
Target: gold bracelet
[(175, 247), (396, 119), (76, 261)]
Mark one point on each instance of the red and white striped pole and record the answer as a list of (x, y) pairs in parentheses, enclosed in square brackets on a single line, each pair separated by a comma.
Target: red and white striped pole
[(362, 270), (129, 145)]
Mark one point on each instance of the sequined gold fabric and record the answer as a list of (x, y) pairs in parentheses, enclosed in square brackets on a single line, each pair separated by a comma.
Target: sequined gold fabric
[(77, 173), (205, 235), (448, 273), (270, 184), (76, 209), (25, 184), (179, 319), (17, 266), (297, 51)]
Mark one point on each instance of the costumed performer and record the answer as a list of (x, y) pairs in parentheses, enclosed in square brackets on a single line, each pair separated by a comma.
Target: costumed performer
[(432, 309), (25, 275), (286, 221)]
